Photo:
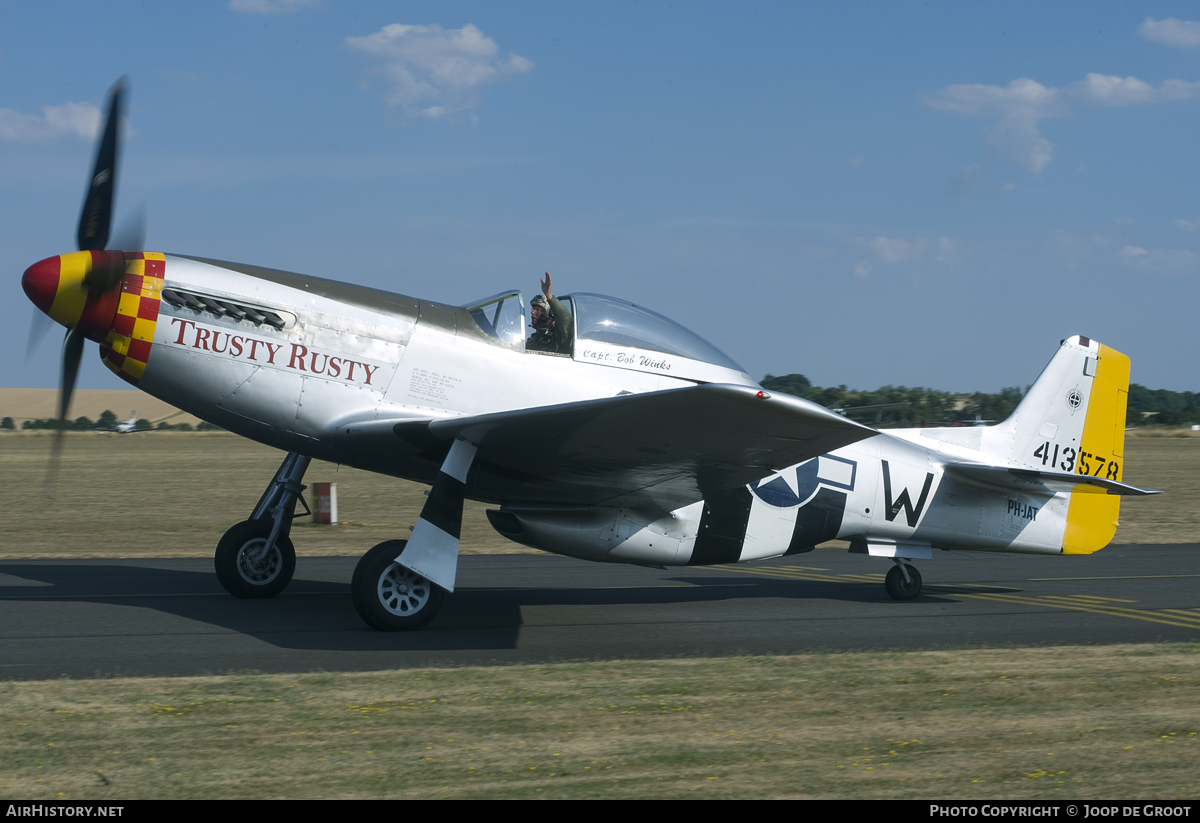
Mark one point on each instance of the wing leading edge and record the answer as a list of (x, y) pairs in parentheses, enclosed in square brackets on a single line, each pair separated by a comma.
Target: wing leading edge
[(659, 450)]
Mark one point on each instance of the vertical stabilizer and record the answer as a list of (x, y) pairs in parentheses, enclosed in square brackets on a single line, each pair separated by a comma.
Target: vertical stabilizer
[(1073, 420)]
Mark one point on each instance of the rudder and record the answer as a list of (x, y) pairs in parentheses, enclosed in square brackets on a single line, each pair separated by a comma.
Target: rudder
[(1092, 516)]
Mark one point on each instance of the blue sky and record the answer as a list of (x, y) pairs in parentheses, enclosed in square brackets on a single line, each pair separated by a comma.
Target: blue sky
[(876, 193)]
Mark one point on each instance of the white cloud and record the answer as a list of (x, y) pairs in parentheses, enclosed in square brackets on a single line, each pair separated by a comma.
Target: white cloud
[(972, 180), (896, 249), (1022, 104), (272, 6), (1108, 90), (1190, 226), (1021, 95), (1017, 107), (891, 250), (1159, 260), (79, 120), (946, 250), (434, 71), (1171, 32)]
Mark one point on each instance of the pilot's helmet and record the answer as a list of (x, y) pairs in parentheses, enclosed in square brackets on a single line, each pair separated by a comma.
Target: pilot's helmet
[(547, 318)]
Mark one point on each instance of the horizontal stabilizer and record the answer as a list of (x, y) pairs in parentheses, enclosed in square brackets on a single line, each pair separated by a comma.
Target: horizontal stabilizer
[(1027, 480)]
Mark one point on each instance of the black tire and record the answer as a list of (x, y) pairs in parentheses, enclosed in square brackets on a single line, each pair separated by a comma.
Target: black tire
[(897, 589), (389, 597), (234, 568)]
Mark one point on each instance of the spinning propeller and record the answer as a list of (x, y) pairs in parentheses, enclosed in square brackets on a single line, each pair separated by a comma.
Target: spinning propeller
[(81, 290)]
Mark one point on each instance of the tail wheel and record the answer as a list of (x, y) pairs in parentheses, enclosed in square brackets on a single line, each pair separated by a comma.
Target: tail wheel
[(900, 589), (247, 568), (390, 597)]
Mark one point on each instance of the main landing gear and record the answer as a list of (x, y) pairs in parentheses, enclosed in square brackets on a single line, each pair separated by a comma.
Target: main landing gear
[(903, 581), (393, 596), (390, 597), (255, 558)]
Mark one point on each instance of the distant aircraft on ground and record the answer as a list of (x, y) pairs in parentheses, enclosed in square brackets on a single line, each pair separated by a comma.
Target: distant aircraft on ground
[(125, 426), (638, 442)]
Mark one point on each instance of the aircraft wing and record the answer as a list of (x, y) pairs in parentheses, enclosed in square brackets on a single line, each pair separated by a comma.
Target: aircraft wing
[(658, 449), (1038, 481)]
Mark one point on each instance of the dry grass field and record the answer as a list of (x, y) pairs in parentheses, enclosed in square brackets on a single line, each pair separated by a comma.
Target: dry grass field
[(172, 494), (1169, 461), (1115, 722)]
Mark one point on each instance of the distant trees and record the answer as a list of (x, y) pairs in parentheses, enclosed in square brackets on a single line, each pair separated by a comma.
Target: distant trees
[(1167, 408), (994, 407), (797, 385), (107, 422), (904, 406), (928, 407), (78, 424)]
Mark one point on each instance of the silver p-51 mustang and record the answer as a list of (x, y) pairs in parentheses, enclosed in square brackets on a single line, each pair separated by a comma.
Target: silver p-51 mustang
[(635, 442)]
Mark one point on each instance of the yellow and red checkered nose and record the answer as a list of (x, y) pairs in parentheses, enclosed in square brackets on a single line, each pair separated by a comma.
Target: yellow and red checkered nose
[(126, 346), (58, 286)]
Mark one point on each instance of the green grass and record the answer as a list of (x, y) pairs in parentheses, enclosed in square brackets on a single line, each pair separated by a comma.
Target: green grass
[(1090, 722)]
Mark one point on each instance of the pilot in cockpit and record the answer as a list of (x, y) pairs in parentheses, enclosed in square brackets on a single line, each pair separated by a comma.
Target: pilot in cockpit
[(552, 323)]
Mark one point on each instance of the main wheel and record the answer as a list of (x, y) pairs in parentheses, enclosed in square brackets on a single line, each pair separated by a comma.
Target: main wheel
[(245, 570), (389, 597), (897, 588)]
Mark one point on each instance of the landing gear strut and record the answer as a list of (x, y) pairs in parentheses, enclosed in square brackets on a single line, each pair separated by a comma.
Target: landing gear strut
[(255, 558), (903, 582), (398, 594)]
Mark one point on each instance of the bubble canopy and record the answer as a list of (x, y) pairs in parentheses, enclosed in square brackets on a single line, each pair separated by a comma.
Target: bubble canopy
[(620, 323)]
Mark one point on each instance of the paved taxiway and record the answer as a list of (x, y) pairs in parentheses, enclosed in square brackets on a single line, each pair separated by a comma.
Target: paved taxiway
[(171, 617)]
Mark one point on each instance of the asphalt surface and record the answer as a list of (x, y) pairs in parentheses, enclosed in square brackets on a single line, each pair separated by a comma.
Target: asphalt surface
[(170, 616)]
